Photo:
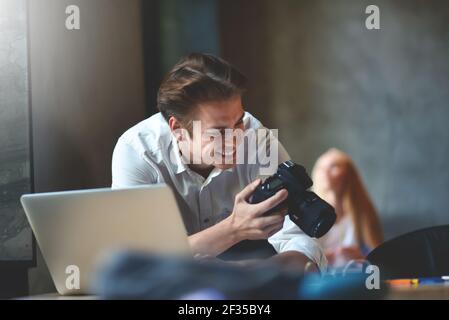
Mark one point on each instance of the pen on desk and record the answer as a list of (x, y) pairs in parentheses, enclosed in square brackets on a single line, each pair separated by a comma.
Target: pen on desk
[(418, 281), (403, 282), (431, 280)]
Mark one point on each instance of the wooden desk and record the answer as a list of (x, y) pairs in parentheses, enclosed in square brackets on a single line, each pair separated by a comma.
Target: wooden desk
[(424, 292), (57, 296)]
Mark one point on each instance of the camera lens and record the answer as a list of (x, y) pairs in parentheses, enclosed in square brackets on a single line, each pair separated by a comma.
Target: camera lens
[(325, 221), (313, 215), (308, 211)]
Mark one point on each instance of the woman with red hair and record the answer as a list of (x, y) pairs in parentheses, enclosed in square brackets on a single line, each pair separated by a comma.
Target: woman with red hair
[(357, 229)]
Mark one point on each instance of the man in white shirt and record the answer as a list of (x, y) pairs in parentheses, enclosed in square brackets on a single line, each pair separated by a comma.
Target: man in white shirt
[(213, 193)]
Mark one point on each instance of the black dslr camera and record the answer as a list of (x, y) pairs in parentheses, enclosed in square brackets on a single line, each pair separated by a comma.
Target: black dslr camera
[(308, 211)]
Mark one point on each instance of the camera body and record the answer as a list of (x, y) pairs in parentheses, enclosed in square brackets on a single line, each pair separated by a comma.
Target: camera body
[(308, 211)]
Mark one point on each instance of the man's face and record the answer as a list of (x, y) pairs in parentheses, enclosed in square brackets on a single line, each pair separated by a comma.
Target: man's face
[(213, 121)]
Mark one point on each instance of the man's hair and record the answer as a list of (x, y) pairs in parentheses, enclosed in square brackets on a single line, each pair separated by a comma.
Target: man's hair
[(195, 79)]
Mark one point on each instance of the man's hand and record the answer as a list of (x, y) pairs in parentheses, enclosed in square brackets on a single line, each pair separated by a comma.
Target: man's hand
[(247, 221)]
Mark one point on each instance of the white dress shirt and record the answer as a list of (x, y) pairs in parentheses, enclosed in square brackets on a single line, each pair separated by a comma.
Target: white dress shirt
[(144, 155), (342, 234)]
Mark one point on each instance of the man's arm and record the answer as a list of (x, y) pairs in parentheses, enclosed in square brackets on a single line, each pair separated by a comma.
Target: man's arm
[(214, 240), (245, 223), (295, 261), (129, 168), (292, 239)]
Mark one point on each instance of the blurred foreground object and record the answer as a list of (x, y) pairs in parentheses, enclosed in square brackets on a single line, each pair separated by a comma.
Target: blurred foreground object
[(131, 275)]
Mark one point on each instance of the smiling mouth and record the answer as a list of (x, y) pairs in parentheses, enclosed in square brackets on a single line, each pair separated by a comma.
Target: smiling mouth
[(227, 154)]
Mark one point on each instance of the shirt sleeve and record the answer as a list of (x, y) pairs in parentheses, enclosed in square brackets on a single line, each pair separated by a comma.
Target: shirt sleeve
[(291, 237), (129, 168)]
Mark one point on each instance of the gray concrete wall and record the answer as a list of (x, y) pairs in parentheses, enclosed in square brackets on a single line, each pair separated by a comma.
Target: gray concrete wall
[(187, 26), (87, 88), (15, 233), (382, 96)]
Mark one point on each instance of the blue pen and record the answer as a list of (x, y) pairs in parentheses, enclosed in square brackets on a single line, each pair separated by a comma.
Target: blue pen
[(431, 280)]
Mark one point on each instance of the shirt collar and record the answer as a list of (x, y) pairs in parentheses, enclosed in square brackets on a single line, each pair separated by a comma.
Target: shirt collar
[(175, 156)]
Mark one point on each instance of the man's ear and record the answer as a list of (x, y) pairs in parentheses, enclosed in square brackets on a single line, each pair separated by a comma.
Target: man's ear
[(176, 128), (173, 123)]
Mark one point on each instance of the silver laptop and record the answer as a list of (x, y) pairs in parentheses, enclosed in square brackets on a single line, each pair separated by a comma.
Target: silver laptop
[(77, 229)]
